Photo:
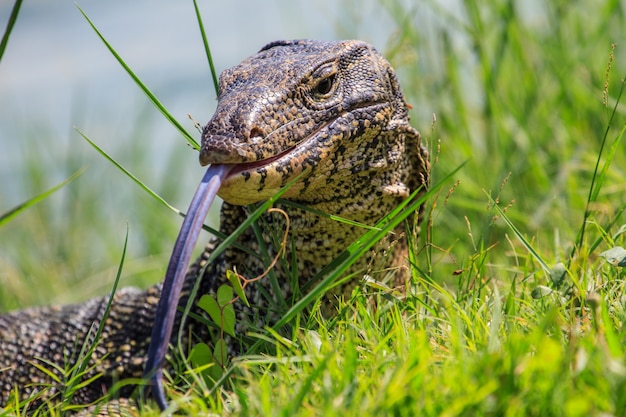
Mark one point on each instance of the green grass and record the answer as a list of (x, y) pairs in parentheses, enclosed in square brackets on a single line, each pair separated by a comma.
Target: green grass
[(528, 101)]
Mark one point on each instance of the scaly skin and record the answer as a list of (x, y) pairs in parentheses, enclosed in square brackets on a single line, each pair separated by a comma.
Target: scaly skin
[(332, 112)]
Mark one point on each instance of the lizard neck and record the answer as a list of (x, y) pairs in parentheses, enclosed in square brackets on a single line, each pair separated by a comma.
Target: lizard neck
[(391, 165), (317, 240)]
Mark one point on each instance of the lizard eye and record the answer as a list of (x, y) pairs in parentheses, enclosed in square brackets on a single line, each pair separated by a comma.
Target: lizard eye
[(324, 86)]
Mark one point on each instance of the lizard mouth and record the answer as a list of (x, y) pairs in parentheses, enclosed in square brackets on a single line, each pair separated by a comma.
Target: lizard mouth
[(251, 182), (251, 166)]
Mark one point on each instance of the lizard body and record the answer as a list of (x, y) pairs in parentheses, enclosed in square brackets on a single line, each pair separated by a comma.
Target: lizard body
[(331, 112)]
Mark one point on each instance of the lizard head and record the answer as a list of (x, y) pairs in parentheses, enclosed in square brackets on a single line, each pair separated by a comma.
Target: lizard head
[(307, 108)]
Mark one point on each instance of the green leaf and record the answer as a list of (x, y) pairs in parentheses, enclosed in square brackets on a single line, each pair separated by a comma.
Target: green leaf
[(200, 355), (228, 318), (220, 352), (209, 304), (540, 291), (236, 283), (231, 240), (224, 295), (615, 256), (557, 274), (216, 372)]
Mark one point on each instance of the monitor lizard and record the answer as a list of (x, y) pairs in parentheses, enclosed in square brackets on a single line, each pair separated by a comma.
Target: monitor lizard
[(330, 113)]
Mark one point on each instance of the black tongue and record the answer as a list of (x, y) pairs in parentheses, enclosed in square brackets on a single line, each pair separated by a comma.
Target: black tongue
[(175, 276)]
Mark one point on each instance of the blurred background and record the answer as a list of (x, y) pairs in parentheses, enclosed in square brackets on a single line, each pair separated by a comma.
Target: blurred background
[(516, 87)]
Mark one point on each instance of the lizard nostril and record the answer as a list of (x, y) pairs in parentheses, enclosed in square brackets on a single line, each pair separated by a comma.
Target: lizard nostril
[(256, 133)]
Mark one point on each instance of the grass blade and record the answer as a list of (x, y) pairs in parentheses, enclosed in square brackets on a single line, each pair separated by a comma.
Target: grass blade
[(87, 351), (520, 236), (153, 194), (6, 217), (7, 32), (320, 213), (207, 49), (597, 179), (143, 87), (128, 173)]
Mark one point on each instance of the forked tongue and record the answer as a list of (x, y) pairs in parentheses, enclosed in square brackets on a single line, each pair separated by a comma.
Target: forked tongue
[(175, 276)]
